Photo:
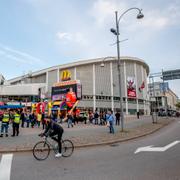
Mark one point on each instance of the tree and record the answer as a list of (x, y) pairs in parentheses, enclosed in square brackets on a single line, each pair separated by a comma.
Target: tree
[(178, 105)]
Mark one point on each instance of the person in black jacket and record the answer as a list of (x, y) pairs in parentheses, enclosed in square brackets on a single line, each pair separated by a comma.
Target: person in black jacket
[(55, 131), (22, 117)]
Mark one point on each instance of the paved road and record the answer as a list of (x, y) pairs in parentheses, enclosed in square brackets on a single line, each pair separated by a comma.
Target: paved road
[(116, 162)]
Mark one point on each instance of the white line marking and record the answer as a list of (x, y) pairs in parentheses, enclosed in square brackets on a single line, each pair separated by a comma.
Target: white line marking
[(5, 166), (156, 149)]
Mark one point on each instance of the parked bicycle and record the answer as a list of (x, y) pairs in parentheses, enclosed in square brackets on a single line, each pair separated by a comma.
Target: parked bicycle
[(41, 149)]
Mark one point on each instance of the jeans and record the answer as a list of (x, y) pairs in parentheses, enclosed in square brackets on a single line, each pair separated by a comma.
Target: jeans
[(96, 121), (70, 122), (111, 128), (4, 126)]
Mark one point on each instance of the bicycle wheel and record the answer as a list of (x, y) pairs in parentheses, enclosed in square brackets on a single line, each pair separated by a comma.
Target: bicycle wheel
[(41, 150), (67, 148)]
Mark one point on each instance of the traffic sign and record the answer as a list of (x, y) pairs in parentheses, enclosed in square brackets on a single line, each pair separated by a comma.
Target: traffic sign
[(171, 75)]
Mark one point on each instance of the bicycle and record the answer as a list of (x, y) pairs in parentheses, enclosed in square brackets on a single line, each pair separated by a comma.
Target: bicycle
[(41, 149)]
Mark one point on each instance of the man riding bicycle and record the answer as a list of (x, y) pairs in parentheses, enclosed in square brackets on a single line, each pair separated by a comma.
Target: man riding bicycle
[(55, 131)]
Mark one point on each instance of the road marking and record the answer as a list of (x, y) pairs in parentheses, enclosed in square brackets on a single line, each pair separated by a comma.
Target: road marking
[(156, 149), (5, 166)]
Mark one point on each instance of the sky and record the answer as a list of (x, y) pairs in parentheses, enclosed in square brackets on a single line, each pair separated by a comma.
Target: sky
[(36, 34)]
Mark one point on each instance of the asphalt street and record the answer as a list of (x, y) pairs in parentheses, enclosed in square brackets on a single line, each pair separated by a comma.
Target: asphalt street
[(113, 162)]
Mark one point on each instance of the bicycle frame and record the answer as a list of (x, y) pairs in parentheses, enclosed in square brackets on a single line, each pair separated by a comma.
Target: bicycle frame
[(51, 145)]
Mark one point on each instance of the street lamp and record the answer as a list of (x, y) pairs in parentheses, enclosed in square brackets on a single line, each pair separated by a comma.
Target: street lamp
[(116, 32)]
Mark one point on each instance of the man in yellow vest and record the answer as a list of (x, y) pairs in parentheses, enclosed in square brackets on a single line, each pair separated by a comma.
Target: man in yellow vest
[(16, 122), (5, 123)]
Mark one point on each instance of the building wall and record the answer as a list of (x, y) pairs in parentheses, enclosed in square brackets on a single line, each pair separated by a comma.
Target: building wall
[(102, 79), (38, 79), (52, 78), (100, 84), (85, 75)]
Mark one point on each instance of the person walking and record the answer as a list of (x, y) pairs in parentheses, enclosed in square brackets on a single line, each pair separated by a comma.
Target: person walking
[(69, 119), (22, 117), (16, 122), (117, 118), (138, 114), (96, 117), (32, 119), (43, 120), (27, 117), (110, 120), (39, 118), (5, 123)]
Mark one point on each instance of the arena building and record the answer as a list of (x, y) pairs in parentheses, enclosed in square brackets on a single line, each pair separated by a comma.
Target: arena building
[(99, 79)]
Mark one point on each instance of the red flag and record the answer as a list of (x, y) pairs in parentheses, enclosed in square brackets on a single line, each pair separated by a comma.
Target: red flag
[(142, 86)]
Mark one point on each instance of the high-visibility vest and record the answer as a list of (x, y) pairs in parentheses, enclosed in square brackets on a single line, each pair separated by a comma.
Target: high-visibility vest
[(5, 118), (39, 117), (17, 118)]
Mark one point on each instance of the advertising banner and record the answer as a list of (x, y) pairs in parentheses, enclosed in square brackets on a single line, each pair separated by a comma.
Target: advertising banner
[(60, 90), (131, 87)]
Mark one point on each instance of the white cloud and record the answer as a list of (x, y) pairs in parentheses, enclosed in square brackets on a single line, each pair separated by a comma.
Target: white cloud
[(72, 37), (19, 56)]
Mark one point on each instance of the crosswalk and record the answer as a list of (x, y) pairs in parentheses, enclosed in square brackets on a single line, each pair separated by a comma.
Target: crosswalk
[(5, 166)]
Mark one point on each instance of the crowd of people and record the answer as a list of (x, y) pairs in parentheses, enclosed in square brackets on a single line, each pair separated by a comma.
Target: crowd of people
[(26, 119), (19, 118)]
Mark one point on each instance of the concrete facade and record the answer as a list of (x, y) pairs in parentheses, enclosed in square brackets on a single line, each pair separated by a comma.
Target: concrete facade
[(100, 87)]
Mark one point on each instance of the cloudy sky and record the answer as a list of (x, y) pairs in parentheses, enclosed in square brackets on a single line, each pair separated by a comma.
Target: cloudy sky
[(36, 34)]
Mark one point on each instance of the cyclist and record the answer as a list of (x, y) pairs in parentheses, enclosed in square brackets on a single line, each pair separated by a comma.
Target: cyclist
[(55, 131)]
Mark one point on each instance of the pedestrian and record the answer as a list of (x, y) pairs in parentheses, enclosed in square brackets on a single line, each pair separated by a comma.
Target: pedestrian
[(16, 122), (96, 117), (27, 118), (138, 114), (5, 123), (117, 118), (91, 117), (69, 119), (101, 118), (32, 119), (104, 118), (110, 120), (39, 117), (22, 117), (43, 120)]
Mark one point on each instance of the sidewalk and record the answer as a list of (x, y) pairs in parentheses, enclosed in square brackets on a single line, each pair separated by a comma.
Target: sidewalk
[(84, 135)]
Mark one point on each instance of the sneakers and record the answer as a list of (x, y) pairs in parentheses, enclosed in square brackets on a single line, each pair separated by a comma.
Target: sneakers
[(58, 155)]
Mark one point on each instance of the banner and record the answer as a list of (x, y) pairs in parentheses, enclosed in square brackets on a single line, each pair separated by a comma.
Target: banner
[(142, 87), (131, 87)]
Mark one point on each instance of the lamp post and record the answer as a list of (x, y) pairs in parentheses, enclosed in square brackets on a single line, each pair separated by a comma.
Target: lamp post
[(116, 32)]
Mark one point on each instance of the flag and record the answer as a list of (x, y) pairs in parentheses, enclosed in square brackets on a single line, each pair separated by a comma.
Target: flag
[(142, 87)]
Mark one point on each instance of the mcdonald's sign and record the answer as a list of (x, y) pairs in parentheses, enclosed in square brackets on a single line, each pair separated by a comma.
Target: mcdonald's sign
[(65, 75)]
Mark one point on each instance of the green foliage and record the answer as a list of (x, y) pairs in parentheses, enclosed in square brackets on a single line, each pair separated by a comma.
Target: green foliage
[(178, 105)]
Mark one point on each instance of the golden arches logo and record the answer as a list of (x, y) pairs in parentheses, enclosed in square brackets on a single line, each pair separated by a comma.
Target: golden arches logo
[(65, 75)]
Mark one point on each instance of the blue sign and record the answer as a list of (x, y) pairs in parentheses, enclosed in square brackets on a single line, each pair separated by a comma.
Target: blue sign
[(164, 87)]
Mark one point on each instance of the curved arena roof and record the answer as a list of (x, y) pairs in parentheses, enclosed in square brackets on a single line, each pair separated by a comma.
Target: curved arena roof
[(85, 62)]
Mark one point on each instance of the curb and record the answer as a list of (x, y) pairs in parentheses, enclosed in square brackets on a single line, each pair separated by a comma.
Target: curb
[(96, 144)]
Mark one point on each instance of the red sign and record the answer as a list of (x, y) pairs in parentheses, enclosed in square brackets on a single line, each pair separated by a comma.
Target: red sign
[(131, 93)]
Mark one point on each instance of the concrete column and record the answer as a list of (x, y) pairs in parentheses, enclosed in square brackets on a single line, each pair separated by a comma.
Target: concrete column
[(94, 88), (58, 75), (112, 94), (47, 79), (125, 88), (135, 72), (75, 73), (143, 93)]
